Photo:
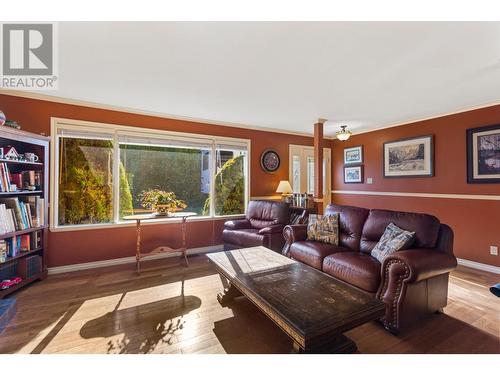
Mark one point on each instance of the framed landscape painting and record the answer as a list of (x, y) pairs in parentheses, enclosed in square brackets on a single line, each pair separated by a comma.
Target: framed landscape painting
[(353, 155), (483, 155), (353, 175), (410, 157)]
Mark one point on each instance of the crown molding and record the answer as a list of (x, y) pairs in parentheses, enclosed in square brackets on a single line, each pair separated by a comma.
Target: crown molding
[(83, 103), (416, 120), (58, 99)]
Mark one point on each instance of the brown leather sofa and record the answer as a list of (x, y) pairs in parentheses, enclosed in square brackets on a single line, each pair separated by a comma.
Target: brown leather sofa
[(412, 282), (262, 226)]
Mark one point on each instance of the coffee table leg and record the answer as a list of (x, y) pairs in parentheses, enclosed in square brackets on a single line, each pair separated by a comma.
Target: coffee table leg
[(338, 345), (229, 293)]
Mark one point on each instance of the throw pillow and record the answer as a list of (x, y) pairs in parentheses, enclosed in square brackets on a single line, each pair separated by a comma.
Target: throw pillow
[(393, 239), (323, 228)]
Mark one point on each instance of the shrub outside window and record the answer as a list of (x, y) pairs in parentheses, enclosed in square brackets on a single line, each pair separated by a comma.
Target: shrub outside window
[(99, 175)]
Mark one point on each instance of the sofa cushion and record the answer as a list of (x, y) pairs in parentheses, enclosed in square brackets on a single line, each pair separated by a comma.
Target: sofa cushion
[(242, 237), (262, 214), (351, 221), (323, 229), (358, 269), (426, 228), (312, 253), (393, 239)]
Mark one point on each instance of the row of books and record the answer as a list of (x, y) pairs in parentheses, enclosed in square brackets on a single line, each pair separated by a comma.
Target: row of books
[(16, 214), (21, 180), (11, 247)]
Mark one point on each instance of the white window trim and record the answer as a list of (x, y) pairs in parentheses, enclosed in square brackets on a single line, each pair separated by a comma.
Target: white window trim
[(62, 123)]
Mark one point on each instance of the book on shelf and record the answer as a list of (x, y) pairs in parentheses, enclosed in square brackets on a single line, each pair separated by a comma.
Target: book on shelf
[(5, 184), (13, 246), (22, 180), (19, 214)]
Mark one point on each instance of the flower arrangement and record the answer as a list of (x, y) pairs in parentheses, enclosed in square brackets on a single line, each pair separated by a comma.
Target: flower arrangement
[(162, 202)]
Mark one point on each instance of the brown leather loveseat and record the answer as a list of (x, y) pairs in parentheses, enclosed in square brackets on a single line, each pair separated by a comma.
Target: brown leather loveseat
[(411, 282), (262, 226)]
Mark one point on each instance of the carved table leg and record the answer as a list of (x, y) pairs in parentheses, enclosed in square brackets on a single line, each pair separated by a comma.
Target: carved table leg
[(138, 248), (338, 345), (229, 293)]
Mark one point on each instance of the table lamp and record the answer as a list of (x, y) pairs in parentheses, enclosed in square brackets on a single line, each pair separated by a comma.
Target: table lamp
[(285, 189)]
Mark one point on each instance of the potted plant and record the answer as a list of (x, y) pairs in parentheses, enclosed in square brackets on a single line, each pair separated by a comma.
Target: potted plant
[(163, 203)]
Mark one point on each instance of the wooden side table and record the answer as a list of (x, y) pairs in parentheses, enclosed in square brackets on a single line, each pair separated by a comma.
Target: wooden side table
[(161, 249)]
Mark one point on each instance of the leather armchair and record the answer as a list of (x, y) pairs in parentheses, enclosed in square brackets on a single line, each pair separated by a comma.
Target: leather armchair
[(262, 226)]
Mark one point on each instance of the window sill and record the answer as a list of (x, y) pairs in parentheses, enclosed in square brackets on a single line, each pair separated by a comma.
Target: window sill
[(132, 223)]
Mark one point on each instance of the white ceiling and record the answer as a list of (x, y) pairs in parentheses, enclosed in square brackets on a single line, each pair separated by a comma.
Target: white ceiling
[(284, 75)]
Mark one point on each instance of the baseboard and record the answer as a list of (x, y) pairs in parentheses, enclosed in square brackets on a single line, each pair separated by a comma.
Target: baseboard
[(126, 260), (478, 266)]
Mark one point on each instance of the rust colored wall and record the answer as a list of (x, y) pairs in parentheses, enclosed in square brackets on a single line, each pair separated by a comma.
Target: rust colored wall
[(101, 244), (476, 223)]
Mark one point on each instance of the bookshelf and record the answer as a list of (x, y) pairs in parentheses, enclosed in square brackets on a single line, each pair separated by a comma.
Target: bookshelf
[(24, 236)]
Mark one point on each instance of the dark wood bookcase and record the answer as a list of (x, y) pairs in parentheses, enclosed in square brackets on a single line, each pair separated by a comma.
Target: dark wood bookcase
[(28, 142)]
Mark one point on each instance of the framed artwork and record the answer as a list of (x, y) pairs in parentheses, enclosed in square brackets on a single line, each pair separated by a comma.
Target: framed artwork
[(353, 155), (483, 155), (353, 175), (409, 157), (270, 160)]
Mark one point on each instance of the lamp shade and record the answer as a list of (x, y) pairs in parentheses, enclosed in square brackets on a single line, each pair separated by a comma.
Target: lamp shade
[(284, 187)]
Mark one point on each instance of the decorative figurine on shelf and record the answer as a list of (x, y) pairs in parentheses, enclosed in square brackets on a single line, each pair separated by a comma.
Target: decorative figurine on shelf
[(2, 118), (163, 203), (10, 153)]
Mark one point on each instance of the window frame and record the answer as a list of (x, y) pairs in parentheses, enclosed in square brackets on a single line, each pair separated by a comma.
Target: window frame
[(115, 130)]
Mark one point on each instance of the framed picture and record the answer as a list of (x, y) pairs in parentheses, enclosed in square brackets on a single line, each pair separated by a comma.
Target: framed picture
[(353, 175), (353, 155), (409, 157), (483, 155)]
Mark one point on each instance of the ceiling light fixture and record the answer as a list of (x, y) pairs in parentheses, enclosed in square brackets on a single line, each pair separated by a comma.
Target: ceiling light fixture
[(343, 134)]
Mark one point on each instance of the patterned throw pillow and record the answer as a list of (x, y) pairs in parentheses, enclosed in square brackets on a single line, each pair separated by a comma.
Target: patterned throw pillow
[(323, 229), (393, 239)]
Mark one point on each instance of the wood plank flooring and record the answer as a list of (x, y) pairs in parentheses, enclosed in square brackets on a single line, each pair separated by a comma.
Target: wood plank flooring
[(112, 310)]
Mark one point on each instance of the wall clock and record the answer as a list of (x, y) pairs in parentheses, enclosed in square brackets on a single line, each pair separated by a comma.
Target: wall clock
[(270, 161)]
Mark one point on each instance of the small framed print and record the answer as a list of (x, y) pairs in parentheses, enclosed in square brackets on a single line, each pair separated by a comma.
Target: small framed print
[(353, 155), (483, 155), (410, 157), (353, 175)]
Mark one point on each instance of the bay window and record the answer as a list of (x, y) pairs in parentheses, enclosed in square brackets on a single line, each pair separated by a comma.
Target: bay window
[(99, 172)]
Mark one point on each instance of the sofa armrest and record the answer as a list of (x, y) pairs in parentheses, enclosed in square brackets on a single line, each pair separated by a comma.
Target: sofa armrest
[(445, 239), (238, 224), (276, 228), (422, 264), (293, 233)]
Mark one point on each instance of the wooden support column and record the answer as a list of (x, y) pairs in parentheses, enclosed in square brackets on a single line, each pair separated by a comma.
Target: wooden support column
[(318, 165)]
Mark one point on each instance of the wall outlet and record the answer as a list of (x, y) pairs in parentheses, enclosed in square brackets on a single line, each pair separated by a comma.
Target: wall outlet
[(494, 250), (369, 180)]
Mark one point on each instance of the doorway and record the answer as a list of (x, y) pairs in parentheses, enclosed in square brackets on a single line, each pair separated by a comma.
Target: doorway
[(301, 173)]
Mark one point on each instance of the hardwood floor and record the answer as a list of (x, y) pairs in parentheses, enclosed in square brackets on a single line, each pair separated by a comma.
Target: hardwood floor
[(112, 310)]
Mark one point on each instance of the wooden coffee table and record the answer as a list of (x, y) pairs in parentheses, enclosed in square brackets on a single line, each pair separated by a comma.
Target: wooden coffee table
[(311, 307)]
